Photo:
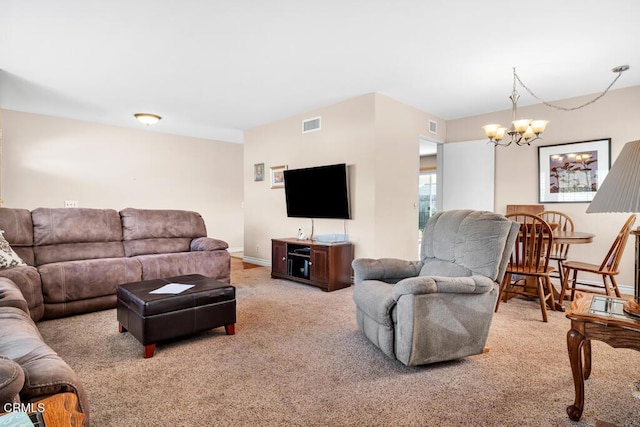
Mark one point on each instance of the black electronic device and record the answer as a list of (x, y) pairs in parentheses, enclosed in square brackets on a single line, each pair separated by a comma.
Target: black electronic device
[(317, 192)]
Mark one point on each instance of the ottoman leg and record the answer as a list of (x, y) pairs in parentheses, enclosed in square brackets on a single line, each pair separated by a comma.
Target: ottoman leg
[(121, 328), (149, 349), (230, 329)]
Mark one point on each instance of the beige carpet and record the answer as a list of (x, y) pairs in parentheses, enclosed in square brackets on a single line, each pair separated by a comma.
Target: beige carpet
[(298, 359)]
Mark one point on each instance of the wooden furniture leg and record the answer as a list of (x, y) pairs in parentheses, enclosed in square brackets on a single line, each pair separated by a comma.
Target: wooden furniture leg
[(543, 302), (575, 343), (230, 329), (586, 359), (149, 349)]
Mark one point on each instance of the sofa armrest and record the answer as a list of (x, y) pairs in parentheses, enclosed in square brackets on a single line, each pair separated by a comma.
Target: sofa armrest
[(11, 381), (11, 296), (208, 244), (439, 284), (373, 297), (388, 270)]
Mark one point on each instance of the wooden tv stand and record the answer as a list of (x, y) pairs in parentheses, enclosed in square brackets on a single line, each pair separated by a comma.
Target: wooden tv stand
[(327, 266)]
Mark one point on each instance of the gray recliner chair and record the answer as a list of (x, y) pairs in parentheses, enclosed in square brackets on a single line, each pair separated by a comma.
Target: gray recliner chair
[(439, 308)]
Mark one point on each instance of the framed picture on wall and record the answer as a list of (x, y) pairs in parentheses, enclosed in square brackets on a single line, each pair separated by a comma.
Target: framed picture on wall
[(277, 176), (573, 172), (258, 172)]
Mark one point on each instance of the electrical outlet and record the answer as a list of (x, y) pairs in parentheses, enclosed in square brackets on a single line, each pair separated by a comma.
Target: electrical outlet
[(258, 248), (70, 203)]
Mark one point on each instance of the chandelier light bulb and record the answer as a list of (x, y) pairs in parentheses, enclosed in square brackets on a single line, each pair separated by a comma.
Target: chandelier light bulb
[(491, 130), (539, 126)]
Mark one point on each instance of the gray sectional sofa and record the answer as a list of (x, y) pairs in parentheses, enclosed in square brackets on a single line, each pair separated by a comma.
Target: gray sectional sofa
[(75, 259)]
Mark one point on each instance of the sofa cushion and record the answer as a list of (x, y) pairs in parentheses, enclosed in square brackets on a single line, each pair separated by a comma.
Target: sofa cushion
[(18, 230), (76, 234), (157, 224), (17, 226), (63, 282), (77, 251), (156, 246), (27, 280), (8, 258), (10, 295), (78, 225)]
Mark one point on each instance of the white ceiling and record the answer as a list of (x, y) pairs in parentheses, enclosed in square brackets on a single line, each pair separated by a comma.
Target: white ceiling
[(215, 68)]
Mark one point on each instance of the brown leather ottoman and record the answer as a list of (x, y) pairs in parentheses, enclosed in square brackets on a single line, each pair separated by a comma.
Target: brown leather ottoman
[(152, 318)]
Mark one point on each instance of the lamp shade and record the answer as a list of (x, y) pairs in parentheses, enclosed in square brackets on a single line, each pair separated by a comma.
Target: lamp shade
[(620, 190)]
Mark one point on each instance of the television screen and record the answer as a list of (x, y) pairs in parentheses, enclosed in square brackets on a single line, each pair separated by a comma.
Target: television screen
[(318, 192)]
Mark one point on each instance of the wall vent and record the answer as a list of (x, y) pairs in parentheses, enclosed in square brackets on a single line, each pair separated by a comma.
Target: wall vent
[(311, 125), (433, 126)]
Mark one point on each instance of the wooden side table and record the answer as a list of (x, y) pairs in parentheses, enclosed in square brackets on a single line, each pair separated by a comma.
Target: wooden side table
[(60, 410), (596, 317)]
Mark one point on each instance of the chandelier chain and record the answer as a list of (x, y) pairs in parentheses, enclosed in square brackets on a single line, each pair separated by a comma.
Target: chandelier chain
[(558, 107)]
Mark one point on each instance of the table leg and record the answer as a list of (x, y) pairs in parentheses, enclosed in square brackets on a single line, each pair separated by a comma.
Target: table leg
[(586, 361), (575, 343)]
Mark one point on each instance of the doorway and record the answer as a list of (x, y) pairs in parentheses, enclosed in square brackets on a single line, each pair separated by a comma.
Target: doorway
[(428, 183)]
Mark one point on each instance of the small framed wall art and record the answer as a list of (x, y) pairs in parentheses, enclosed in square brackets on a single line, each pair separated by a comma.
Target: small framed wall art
[(258, 172), (573, 172), (277, 176)]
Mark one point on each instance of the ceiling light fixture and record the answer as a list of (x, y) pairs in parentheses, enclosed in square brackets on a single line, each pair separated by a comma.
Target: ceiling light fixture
[(147, 118), (525, 131)]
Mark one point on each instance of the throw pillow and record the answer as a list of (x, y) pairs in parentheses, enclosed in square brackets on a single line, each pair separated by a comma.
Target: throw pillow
[(8, 257)]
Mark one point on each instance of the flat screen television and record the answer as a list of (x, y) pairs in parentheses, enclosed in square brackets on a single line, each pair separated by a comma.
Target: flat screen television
[(317, 192)]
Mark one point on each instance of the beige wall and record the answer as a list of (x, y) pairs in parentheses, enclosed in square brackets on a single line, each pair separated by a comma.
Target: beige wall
[(377, 138), (47, 160), (615, 116)]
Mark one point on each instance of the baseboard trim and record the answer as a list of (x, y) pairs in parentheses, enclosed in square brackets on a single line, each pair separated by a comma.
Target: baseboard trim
[(257, 261), (624, 289)]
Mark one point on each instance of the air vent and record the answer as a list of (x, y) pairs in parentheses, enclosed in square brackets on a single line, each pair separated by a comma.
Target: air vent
[(311, 125), (433, 126)]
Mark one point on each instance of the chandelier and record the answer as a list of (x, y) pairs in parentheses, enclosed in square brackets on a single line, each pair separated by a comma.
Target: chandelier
[(525, 131)]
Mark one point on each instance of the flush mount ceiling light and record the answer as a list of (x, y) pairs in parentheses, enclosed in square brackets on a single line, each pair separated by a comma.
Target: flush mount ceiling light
[(147, 118), (525, 131)]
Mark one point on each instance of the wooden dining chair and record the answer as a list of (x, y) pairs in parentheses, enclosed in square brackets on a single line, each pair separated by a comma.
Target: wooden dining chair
[(562, 222), (608, 269), (530, 259), (530, 209)]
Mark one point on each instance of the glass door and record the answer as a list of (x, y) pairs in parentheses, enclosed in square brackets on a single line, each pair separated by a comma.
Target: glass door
[(427, 202)]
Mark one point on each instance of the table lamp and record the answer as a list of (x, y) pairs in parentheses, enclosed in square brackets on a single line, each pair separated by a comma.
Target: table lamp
[(620, 192)]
